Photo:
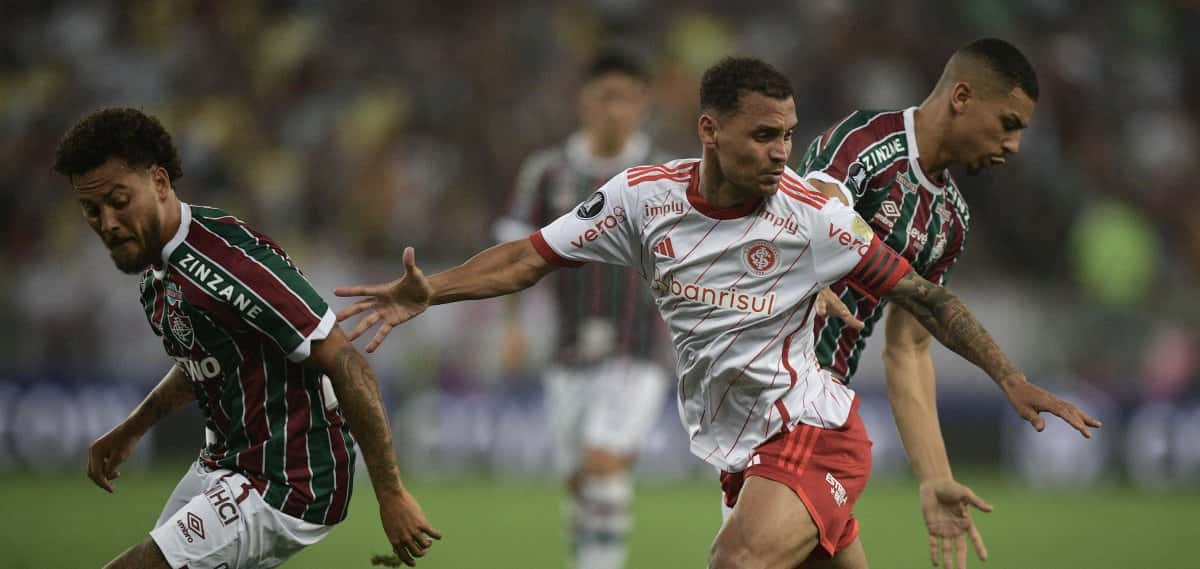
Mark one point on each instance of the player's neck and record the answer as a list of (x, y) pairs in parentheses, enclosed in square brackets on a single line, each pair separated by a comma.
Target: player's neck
[(171, 217), (605, 147), (929, 130), (716, 190)]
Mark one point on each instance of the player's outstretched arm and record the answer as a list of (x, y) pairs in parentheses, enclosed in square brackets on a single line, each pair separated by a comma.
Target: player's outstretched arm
[(358, 394), (114, 447), (503, 269), (947, 318), (912, 394)]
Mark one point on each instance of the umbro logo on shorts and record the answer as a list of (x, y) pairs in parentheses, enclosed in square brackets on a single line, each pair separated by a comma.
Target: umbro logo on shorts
[(194, 526)]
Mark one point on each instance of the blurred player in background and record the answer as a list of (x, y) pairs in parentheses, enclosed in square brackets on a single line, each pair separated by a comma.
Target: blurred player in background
[(255, 345), (747, 252), (604, 390), (891, 167)]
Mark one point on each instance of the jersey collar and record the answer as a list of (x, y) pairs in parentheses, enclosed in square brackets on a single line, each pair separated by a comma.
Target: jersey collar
[(914, 165), (732, 212), (185, 222)]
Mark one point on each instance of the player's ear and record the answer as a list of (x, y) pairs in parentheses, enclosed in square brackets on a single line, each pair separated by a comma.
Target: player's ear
[(161, 181), (707, 129), (960, 97)]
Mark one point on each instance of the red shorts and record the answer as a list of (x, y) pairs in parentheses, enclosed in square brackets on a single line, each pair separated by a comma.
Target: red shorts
[(827, 468)]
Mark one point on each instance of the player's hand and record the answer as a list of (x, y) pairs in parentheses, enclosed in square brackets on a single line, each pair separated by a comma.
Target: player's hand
[(944, 504), (107, 453), (1029, 400), (392, 303), (828, 304), (407, 529)]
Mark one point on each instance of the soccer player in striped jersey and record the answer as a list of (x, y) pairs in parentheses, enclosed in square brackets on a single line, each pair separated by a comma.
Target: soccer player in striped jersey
[(284, 392), (604, 390), (748, 253), (891, 166)]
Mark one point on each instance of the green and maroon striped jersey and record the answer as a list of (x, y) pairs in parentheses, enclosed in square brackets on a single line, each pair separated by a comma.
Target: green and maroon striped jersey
[(239, 317), (872, 157), (598, 302)]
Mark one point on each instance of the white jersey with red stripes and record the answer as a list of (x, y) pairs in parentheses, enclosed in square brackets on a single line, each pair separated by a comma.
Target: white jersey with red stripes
[(736, 287)]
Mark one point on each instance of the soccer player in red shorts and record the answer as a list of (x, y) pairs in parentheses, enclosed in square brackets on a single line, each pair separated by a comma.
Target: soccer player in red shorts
[(735, 247)]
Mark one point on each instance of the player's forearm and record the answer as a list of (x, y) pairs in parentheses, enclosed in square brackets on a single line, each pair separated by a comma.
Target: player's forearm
[(358, 395), (912, 394), (173, 392), (949, 320), (499, 270)]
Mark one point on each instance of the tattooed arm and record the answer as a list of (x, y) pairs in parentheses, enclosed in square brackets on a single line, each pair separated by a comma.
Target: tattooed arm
[(358, 395), (948, 320), (109, 451)]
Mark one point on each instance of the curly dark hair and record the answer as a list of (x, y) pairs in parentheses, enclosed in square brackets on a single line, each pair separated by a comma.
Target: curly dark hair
[(724, 83), (124, 133)]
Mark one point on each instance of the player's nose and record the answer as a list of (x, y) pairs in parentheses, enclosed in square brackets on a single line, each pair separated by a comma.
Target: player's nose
[(108, 221), (1012, 144), (778, 153)]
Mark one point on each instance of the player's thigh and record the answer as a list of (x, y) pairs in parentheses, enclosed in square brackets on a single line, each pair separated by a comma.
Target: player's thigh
[(192, 484), (566, 393), (626, 402), (144, 555), (199, 536), (853, 556), (770, 528)]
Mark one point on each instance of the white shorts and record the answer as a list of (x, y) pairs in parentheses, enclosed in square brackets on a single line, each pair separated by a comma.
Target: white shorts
[(609, 406), (216, 520)]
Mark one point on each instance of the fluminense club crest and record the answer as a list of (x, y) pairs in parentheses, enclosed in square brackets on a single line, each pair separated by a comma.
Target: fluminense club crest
[(181, 327)]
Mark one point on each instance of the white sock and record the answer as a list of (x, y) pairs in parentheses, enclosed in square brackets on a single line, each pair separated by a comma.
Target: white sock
[(601, 522)]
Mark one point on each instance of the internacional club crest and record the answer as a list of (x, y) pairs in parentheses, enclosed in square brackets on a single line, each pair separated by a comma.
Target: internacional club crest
[(760, 257)]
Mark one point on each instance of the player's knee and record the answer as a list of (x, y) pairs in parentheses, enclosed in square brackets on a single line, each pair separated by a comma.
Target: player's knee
[(598, 463)]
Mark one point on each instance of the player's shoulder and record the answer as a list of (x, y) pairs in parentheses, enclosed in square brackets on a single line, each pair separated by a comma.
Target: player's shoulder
[(670, 173), (545, 160), (228, 227), (860, 126), (797, 194), (223, 237)]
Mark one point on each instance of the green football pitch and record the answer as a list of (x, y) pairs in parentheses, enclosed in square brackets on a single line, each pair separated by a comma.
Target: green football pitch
[(53, 521)]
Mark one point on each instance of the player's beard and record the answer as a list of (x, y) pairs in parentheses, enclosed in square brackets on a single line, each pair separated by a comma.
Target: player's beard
[(151, 246)]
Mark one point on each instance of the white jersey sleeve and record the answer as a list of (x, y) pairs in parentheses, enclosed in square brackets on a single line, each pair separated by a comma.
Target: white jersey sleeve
[(598, 230), (845, 246)]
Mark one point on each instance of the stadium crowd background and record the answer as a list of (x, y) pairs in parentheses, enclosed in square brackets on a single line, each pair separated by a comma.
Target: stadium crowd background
[(348, 131)]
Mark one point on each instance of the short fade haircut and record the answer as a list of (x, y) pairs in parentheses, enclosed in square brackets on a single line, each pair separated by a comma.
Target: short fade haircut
[(724, 83), (616, 61), (123, 133), (1006, 62)]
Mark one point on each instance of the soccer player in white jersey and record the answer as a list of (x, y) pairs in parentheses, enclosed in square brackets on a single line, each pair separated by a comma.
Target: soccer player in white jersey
[(891, 167), (604, 390), (736, 274), (286, 396)]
